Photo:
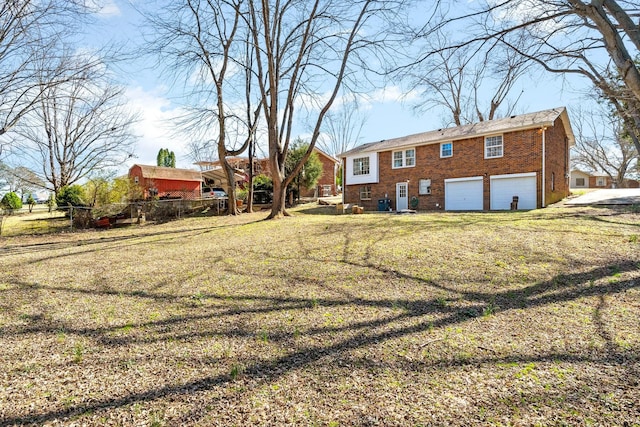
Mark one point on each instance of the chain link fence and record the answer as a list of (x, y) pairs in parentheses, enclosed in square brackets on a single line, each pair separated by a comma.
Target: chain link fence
[(80, 217)]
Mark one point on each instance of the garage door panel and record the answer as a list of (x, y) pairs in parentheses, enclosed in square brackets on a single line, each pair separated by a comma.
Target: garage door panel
[(464, 195), (504, 188)]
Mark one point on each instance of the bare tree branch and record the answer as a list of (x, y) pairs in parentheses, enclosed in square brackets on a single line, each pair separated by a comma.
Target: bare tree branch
[(77, 128), (602, 145)]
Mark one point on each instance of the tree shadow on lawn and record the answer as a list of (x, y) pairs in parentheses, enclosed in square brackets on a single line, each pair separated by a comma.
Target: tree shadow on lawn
[(409, 320), (86, 245), (536, 220)]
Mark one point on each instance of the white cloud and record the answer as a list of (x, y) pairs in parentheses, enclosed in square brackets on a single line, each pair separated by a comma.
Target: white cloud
[(105, 8), (389, 94), (524, 11), (155, 127)]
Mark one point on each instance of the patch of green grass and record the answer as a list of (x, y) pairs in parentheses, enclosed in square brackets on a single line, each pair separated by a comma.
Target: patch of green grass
[(236, 371), (39, 222), (442, 302), (490, 309), (527, 371), (156, 419), (78, 352), (126, 328)]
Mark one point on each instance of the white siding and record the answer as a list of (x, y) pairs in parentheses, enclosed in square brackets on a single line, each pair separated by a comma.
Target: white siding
[(371, 178), (578, 174)]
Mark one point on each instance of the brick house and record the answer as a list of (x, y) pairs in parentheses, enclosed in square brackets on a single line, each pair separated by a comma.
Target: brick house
[(163, 182), (326, 185), (240, 164), (581, 179), (479, 166)]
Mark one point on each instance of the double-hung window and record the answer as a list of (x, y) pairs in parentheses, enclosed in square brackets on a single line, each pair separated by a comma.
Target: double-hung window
[(365, 192), (493, 146), (404, 158), (361, 166), (446, 149)]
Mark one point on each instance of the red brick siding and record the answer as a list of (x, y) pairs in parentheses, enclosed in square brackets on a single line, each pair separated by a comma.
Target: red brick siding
[(327, 178), (593, 180), (166, 187), (328, 174), (556, 164), (522, 153)]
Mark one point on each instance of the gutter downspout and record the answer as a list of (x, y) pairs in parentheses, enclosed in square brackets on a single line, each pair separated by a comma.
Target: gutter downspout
[(544, 129), (344, 175)]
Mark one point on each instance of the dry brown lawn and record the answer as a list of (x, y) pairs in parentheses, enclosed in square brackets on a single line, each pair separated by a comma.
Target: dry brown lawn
[(515, 318)]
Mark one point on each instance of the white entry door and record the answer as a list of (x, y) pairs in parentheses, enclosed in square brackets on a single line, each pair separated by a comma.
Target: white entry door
[(402, 196)]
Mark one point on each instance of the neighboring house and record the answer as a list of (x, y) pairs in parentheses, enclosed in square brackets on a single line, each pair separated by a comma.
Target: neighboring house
[(326, 185), (480, 166), (581, 179), (241, 164), (163, 182)]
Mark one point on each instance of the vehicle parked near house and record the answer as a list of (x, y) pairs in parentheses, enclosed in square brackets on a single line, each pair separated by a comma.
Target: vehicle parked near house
[(213, 193)]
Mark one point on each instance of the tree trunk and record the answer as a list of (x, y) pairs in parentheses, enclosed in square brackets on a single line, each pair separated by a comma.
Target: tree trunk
[(278, 204), (232, 207), (250, 192)]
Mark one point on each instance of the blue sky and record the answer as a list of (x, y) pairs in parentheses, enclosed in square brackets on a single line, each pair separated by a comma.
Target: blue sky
[(389, 111)]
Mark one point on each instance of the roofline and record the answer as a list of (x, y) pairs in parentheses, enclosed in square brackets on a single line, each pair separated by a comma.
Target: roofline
[(563, 116), (329, 156), (144, 168)]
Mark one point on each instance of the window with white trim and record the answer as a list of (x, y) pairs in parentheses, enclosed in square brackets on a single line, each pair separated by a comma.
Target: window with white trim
[(600, 181), (446, 149), (579, 182), (404, 158), (493, 146), (425, 186), (365, 192), (361, 166), (136, 180)]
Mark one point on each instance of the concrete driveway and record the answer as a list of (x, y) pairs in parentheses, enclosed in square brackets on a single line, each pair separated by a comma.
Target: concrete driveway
[(617, 196)]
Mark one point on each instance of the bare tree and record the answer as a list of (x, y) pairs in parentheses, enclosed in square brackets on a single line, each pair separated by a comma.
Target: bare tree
[(20, 179), (342, 128), (202, 151), (602, 144), (206, 44), (79, 127), (597, 39), (29, 31), (459, 80), (297, 52), (306, 52)]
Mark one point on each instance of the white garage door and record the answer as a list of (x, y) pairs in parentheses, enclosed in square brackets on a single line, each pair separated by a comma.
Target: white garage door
[(463, 194), (504, 187)]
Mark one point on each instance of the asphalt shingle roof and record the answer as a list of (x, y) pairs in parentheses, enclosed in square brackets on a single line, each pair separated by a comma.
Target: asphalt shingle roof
[(160, 172), (508, 124)]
